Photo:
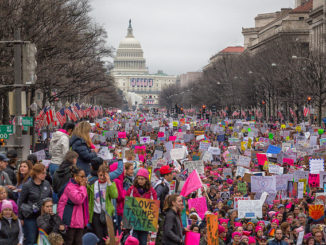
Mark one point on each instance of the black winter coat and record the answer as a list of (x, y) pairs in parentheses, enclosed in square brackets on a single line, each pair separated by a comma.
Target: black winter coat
[(49, 223), (34, 194), (85, 154), (62, 176), (172, 229)]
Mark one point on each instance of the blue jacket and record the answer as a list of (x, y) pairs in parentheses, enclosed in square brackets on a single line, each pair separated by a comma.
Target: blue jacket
[(275, 242), (85, 155)]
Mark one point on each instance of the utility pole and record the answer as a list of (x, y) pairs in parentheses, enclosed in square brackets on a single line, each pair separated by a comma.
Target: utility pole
[(18, 90)]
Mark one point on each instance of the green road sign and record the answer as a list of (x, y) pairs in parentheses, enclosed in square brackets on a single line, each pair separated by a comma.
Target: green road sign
[(5, 130), (27, 121)]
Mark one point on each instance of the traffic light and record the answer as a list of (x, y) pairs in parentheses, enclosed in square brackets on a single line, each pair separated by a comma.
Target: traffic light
[(309, 98), (203, 109), (172, 110), (2, 142), (29, 63), (181, 110)]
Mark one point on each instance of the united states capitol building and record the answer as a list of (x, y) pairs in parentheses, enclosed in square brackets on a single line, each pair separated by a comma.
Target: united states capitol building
[(131, 74)]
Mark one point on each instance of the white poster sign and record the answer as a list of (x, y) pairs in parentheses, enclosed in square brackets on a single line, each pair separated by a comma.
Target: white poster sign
[(249, 209)]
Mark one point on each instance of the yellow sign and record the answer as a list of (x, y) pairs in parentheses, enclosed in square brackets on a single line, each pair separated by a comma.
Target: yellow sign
[(249, 143), (283, 126), (175, 124), (298, 128)]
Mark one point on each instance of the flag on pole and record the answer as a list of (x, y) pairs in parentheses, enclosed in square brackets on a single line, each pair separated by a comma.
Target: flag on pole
[(61, 116), (306, 111), (192, 183), (70, 114), (292, 113)]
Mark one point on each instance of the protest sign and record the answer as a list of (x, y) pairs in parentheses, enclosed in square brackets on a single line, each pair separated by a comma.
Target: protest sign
[(320, 198), (207, 157), (192, 238), (192, 165), (158, 155), (316, 165), (241, 171), (282, 181), (227, 171), (144, 140), (316, 213), (141, 214), (273, 149), (214, 150), (242, 187), (122, 135), (322, 179), (212, 229), (172, 186), (249, 209), (297, 175), (261, 158), (275, 169), (140, 150), (203, 146), (199, 204), (40, 155), (105, 154), (199, 133), (225, 195), (236, 199), (168, 145), (200, 137), (263, 183), (192, 183), (300, 189), (244, 161), (313, 180), (178, 153)]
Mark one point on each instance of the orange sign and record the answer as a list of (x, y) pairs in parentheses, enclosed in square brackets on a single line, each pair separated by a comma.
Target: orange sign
[(212, 229)]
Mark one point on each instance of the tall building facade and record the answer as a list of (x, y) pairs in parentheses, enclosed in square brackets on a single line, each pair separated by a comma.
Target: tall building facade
[(131, 74)]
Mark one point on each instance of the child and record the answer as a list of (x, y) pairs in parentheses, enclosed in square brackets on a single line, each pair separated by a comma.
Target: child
[(11, 231), (142, 188), (100, 194)]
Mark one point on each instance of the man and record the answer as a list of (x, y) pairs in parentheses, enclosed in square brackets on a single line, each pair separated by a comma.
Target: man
[(12, 165), (319, 238), (4, 178), (278, 240), (162, 186), (59, 146)]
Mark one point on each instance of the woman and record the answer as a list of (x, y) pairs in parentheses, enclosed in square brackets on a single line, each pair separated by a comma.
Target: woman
[(23, 174), (11, 231), (49, 221), (63, 174), (59, 146), (30, 202), (142, 188), (81, 143), (100, 196), (172, 229), (73, 207), (4, 196)]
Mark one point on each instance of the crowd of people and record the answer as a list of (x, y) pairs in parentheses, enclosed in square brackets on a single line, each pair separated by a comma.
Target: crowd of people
[(196, 170)]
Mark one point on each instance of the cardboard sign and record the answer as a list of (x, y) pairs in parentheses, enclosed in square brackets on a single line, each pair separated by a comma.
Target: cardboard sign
[(192, 165), (199, 133), (316, 212), (313, 180), (236, 199), (242, 187), (144, 140), (241, 171), (203, 146), (263, 183), (178, 153), (316, 165), (244, 161), (141, 214), (212, 229), (192, 238), (40, 155), (225, 195), (199, 204), (249, 209)]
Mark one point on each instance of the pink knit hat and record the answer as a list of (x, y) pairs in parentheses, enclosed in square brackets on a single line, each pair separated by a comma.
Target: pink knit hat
[(275, 221), (143, 172), (6, 204), (132, 241), (252, 240), (236, 234)]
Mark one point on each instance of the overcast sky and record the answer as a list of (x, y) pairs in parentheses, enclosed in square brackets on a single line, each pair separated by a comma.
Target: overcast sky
[(178, 36)]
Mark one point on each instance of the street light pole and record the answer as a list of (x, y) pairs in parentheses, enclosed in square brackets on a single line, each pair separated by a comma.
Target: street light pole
[(18, 89)]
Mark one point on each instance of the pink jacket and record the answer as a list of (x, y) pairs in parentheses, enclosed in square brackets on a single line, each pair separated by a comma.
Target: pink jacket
[(73, 206), (121, 192), (151, 194)]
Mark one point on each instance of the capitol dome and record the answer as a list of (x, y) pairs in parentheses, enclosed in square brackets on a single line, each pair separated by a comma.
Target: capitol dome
[(129, 58)]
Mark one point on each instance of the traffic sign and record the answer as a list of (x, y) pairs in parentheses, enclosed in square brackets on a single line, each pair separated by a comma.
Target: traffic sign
[(5, 130), (27, 121)]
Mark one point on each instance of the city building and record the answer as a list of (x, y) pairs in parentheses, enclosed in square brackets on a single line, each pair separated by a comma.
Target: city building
[(317, 19), (227, 52), (287, 23), (189, 77), (132, 77)]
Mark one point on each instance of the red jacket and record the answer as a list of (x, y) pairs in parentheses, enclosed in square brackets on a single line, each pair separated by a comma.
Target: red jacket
[(151, 194)]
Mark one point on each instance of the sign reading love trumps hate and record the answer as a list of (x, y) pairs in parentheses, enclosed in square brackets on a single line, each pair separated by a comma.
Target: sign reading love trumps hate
[(141, 214)]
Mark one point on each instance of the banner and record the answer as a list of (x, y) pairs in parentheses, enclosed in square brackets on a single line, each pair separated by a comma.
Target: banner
[(141, 214), (199, 204), (212, 229), (192, 183), (192, 238)]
